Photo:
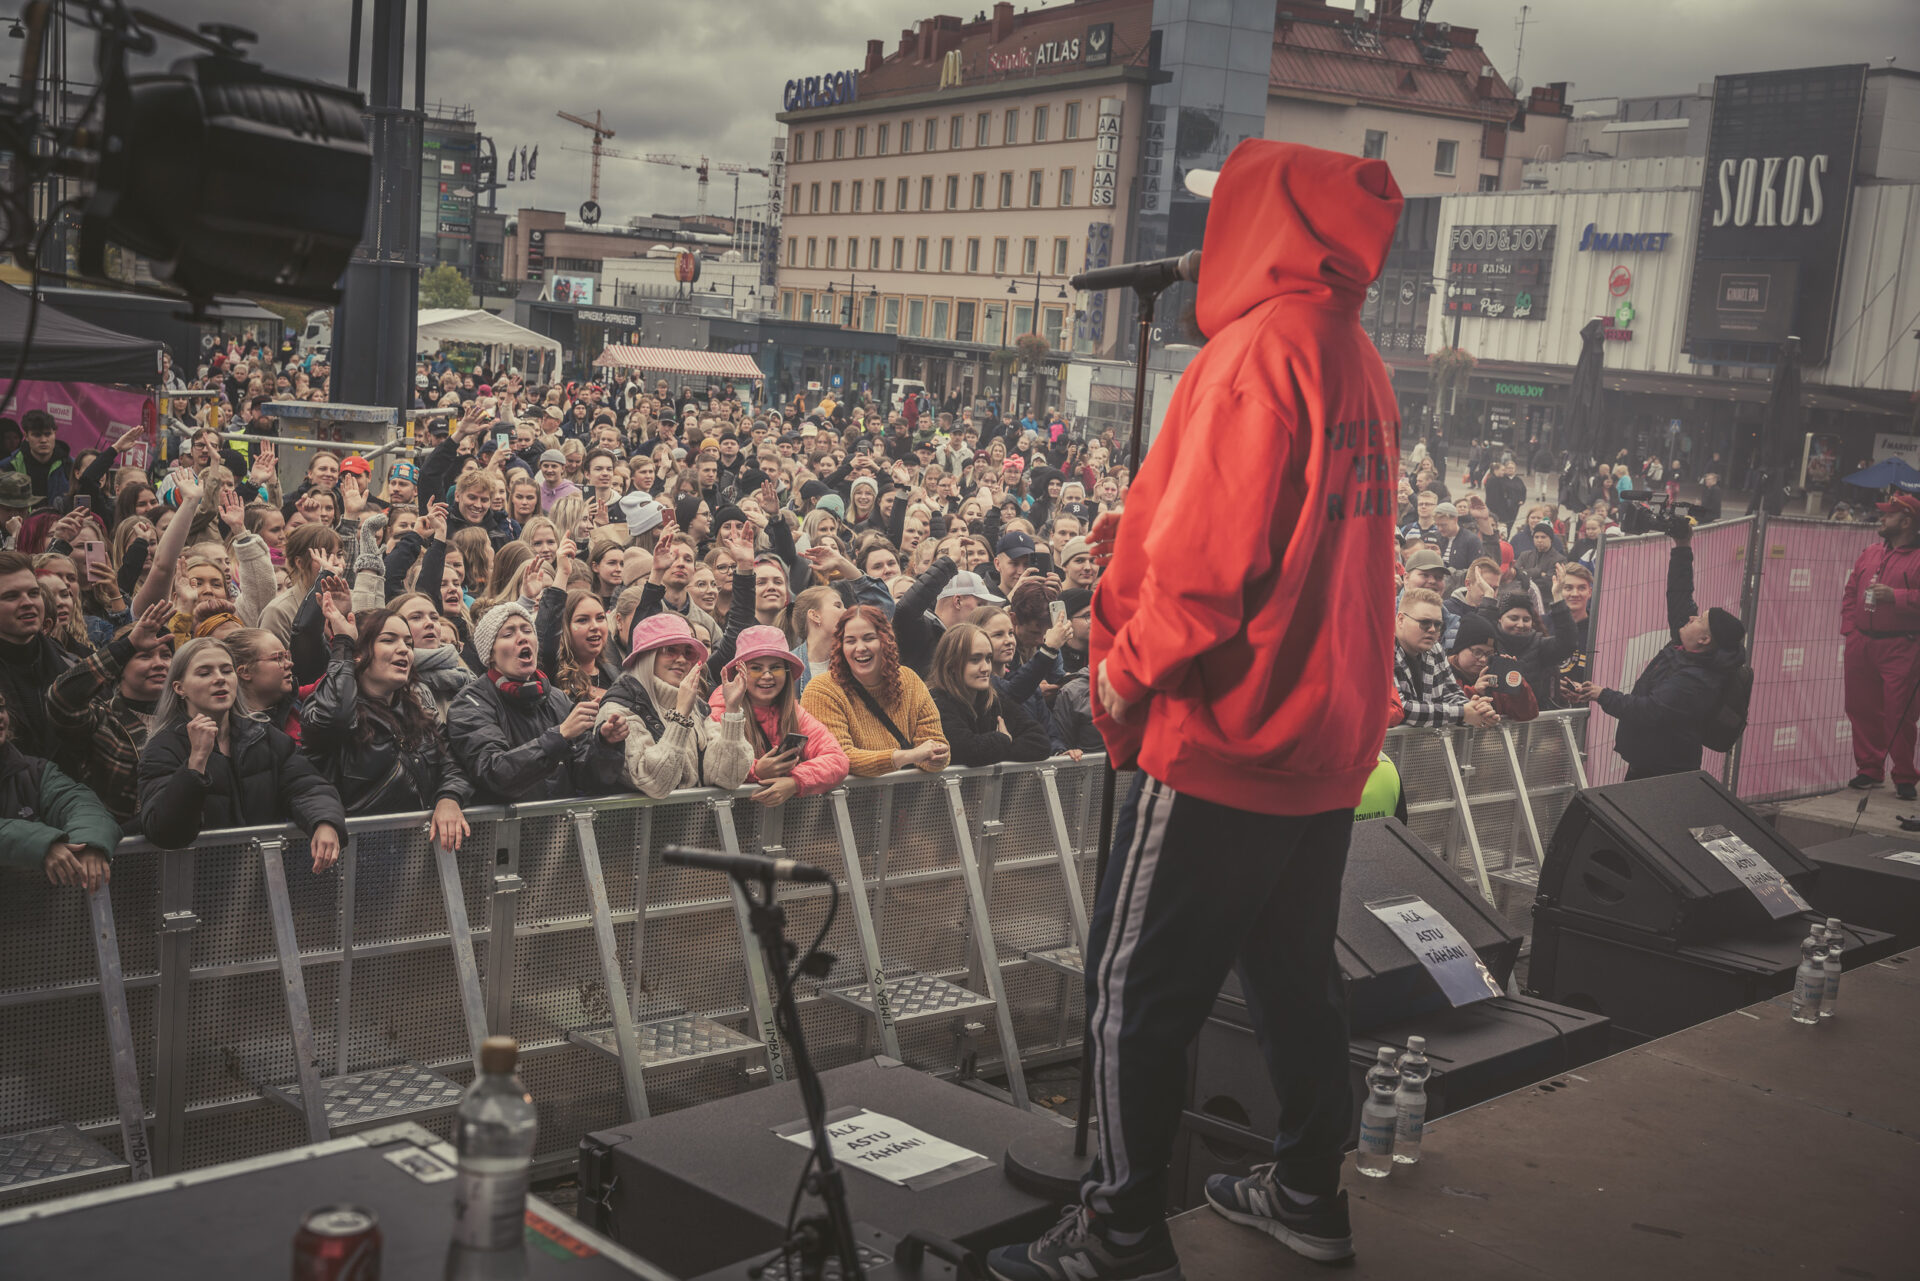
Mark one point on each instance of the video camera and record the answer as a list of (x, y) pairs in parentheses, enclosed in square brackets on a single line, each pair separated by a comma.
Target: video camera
[(1658, 515)]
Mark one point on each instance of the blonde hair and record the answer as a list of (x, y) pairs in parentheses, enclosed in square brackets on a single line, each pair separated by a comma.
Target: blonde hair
[(478, 479)]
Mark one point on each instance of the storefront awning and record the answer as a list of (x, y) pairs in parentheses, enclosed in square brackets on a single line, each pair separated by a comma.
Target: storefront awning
[(438, 325), (667, 360)]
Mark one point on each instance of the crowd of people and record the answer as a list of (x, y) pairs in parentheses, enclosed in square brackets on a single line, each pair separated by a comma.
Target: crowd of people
[(567, 590)]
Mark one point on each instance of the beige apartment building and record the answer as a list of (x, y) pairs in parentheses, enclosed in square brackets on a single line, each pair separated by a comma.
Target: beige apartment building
[(979, 167)]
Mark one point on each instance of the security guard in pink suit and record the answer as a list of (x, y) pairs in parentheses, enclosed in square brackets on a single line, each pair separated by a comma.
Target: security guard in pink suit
[(1880, 617)]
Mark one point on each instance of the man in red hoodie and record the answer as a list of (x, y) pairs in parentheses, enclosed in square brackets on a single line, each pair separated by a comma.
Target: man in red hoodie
[(1242, 669)]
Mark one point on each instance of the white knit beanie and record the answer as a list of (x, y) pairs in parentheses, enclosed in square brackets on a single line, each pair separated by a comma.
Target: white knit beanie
[(488, 628)]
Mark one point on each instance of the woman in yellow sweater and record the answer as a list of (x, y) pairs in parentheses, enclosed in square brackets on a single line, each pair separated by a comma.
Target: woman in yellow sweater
[(879, 711)]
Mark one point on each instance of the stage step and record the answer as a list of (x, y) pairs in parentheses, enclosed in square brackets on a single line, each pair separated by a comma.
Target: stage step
[(686, 1039), (913, 997), (58, 1157), (1527, 874), (377, 1097), (1065, 959)]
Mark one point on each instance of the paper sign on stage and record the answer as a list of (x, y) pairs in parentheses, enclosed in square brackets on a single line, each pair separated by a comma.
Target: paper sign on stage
[(1449, 958), (1905, 856), (889, 1149), (1759, 876)]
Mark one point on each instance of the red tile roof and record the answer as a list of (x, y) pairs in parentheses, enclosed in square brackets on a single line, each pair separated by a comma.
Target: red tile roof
[(1314, 54)]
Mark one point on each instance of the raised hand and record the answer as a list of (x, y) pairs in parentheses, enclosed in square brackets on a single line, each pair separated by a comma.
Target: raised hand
[(353, 496), (734, 690), (689, 696), (202, 736), (538, 575), (433, 525), (187, 488), (233, 512), (563, 563), (265, 463), (151, 627)]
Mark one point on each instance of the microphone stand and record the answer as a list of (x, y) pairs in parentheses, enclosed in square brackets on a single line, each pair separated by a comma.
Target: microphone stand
[(815, 1239), (1037, 1166)]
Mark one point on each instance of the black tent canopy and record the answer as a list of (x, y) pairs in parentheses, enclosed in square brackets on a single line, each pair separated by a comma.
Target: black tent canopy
[(66, 349)]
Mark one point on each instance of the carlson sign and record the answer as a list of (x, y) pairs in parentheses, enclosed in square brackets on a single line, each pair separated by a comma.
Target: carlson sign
[(1773, 217), (830, 90), (1623, 242)]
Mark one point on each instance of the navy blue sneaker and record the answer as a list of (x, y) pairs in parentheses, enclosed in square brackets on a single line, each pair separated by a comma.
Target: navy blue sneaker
[(1317, 1230), (1076, 1249)]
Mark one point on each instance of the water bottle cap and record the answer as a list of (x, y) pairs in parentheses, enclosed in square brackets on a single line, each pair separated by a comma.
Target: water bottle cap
[(498, 1055), (1416, 1045), (1388, 1054), (1833, 925)]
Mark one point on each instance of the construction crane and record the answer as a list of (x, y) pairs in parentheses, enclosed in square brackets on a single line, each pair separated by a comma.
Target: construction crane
[(700, 165), (600, 133)]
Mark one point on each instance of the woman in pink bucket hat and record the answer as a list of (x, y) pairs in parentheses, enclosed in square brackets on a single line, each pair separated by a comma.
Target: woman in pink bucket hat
[(670, 741), (759, 688)]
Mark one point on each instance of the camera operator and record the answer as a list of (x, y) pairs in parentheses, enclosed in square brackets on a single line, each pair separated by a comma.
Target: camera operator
[(1660, 720), (1880, 618)]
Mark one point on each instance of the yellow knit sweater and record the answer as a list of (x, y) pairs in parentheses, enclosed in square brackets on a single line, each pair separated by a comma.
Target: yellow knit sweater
[(869, 745)]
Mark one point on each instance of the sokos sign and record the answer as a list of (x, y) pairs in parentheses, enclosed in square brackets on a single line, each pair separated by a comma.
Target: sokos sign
[(830, 90), (1771, 191)]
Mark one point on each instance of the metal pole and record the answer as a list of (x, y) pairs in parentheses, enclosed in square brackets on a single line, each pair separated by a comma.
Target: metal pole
[(353, 45)]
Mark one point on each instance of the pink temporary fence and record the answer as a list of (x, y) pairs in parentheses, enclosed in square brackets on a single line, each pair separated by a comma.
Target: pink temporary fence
[(1630, 618), (1798, 741)]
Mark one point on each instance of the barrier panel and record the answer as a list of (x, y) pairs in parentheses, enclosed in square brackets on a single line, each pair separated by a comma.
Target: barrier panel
[(1798, 741), (581, 943)]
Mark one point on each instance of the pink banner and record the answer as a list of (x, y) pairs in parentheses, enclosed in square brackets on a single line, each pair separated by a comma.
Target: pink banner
[(1630, 621), (1798, 741), (86, 412)]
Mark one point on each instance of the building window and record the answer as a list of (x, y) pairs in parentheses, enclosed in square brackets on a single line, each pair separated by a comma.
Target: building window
[(1070, 127), (963, 321), (1054, 322), (839, 143), (973, 253), (916, 317), (1011, 134), (1376, 144), (799, 146), (906, 136), (1000, 255), (813, 250), (880, 139), (900, 196), (806, 307), (955, 132), (983, 129), (1029, 256), (793, 251), (920, 254), (1006, 191), (869, 306), (1036, 180), (859, 188), (1066, 187), (926, 194), (879, 195), (993, 319), (819, 144), (932, 133), (860, 140), (979, 191), (853, 253), (786, 305), (953, 191), (1060, 255), (813, 196), (946, 253), (833, 197), (1040, 124), (793, 199), (1445, 153), (941, 309), (899, 253), (1022, 320), (873, 253), (893, 315), (833, 251)]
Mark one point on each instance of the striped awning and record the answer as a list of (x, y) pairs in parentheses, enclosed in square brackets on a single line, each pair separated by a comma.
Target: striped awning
[(667, 360)]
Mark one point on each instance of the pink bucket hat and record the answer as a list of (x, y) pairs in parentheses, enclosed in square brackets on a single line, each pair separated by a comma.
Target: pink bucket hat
[(761, 642), (664, 629)]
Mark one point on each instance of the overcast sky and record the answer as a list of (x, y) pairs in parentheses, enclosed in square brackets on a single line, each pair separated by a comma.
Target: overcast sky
[(706, 77)]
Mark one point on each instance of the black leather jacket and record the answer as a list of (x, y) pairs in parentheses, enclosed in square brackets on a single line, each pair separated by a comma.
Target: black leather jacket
[(379, 776), (513, 751)]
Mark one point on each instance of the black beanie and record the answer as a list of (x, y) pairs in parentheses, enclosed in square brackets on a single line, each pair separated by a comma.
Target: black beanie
[(726, 513), (1728, 631), (813, 491), (686, 510), (1474, 630)]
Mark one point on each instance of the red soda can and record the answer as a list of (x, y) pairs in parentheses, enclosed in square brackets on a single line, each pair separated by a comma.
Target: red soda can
[(337, 1243)]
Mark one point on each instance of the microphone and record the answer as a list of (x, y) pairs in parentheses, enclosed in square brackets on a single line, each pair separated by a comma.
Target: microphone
[(1151, 277), (751, 866)]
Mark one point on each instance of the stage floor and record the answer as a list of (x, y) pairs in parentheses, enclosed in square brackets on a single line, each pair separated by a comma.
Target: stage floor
[(1749, 1147)]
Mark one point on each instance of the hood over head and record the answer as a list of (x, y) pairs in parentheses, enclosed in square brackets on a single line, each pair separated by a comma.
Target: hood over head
[(1288, 219)]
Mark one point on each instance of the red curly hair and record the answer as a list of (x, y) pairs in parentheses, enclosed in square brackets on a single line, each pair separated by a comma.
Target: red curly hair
[(889, 651)]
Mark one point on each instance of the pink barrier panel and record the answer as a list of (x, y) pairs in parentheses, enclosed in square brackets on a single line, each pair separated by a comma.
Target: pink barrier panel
[(86, 413), (1631, 619), (1798, 742)]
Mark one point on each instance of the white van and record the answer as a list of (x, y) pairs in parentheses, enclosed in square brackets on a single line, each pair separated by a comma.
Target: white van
[(901, 386)]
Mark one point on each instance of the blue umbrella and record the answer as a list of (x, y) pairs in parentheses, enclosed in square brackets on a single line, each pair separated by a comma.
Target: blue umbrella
[(1888, 471)]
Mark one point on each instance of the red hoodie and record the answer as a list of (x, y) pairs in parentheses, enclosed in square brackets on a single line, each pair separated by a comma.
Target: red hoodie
[(1245, 593)]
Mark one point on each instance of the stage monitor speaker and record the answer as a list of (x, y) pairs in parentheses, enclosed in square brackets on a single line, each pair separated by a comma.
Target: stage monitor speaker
[(1872, 881), (1624, 861)]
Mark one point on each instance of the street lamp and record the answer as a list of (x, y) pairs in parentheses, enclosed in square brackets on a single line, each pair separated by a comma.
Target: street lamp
[(853, 291)]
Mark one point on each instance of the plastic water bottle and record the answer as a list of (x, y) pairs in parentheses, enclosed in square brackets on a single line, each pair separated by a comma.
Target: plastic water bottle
[(1836, 940), (1810, 979), (1410, 1102), (1378, 1116), (494, 1133)]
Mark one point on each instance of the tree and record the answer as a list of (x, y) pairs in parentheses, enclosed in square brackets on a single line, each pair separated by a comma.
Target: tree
[(444, 286)]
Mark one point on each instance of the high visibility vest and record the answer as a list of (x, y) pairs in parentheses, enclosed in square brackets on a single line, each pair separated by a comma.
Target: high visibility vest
[(1382, 795)]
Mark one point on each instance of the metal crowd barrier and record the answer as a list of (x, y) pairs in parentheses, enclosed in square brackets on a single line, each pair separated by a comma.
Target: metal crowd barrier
[(240, 1004)]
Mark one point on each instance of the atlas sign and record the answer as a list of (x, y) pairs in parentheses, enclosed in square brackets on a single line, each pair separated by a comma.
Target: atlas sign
[(1771, 191), (830, 90), (1051, 53)]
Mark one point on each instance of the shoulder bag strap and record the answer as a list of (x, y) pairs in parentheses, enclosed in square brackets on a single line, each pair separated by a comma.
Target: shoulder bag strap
[(906, 744)]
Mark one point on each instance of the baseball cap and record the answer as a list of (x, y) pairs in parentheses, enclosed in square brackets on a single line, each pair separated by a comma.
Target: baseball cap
[(1907, 503), (357, 465), (1076, 599), (966, 583), (1425, 559), (1015, 543)]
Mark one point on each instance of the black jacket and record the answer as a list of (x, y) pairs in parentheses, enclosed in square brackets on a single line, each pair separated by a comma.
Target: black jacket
[(1538, 657), (914, 626), (975, 738), (1676, 692), (265, 780), (379, 776), (27, 672), (1505, 494), (512, 750)]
